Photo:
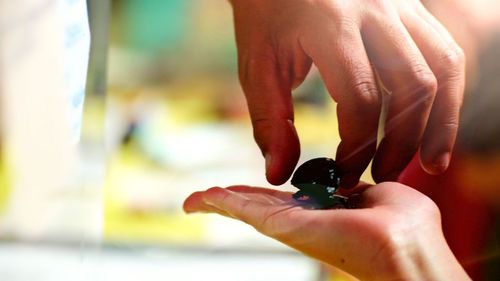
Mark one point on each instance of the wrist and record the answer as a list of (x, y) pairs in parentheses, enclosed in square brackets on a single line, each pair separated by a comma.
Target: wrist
[(427, 257)]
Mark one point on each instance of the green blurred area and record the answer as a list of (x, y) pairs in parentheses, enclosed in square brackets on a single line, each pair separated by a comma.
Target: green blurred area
[(153, 26)]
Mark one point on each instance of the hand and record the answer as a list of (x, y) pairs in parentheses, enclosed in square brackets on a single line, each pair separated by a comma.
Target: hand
[(355, 44), (394, 235)]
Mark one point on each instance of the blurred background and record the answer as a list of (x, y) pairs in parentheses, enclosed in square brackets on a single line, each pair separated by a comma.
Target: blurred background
[(176, 121), (164, 116)]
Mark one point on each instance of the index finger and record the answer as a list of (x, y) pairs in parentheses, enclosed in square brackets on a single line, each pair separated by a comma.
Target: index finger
[(267, 82)]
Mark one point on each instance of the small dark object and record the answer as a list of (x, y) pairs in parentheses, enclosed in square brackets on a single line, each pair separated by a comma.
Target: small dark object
[(318, 180)]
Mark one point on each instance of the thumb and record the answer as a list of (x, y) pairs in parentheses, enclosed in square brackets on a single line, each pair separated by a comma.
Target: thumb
[(268, 93)]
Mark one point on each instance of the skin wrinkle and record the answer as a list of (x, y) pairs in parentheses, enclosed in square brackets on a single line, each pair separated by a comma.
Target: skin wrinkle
[(226, 194), (366, 88), (309, 61), (241, 211), (390, 248), (284, 196), (271, 216), (297, 65), (450, 61), (253, 70), (411, 252), (305, 240), (271, 200), (264, 146), (215, 207), (282, 58)]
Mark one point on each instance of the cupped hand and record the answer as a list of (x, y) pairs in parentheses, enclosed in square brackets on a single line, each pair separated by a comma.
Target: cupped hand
[(357, 46), (393, 234)]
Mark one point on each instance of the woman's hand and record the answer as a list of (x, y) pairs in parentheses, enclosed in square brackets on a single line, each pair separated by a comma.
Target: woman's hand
[(354, 44), (394, 234)]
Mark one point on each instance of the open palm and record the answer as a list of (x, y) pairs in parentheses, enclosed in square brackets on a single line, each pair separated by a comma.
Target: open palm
[(367, 241)]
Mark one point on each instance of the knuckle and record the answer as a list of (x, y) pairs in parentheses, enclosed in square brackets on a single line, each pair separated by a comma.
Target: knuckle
[(242, 210), (248, 70), (218, 194), (365, 90), (380, 4), (253, 66), (454, 57), (331, 8), (452, 63), (338, 13), (262, 124), (214, 189), (379, 8), (424, 84), (450, 126)]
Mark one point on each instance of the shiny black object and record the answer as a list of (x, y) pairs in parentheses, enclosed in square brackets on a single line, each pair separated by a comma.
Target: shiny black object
[(318, 180)]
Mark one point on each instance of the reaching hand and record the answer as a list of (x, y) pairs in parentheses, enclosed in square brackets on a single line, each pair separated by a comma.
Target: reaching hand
[(353, 43), (395, 234)]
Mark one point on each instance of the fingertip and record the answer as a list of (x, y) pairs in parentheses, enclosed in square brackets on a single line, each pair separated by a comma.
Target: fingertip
[(442, 162), (197, 201), (282, 154), (352, 160), (437, 144), (281, 168), (276, 179), (380, 175), (189, 205), (436, 166)]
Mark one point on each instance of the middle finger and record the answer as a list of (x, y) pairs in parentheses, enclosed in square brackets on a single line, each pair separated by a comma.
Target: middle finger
[(412, 85)]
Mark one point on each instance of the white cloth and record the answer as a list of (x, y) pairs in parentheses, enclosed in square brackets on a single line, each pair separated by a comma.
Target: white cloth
[(44, 49)]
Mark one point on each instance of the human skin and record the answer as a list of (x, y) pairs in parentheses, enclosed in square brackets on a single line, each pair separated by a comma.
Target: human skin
[(393, 234), (358, 46)]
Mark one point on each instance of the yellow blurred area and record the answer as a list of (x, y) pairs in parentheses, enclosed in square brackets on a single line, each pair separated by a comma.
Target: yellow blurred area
[(130, 220), (4, 184), (131, 173)]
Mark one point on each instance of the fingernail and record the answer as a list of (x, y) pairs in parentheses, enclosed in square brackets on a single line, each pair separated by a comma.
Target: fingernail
[(442, 162), (268, 161)]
